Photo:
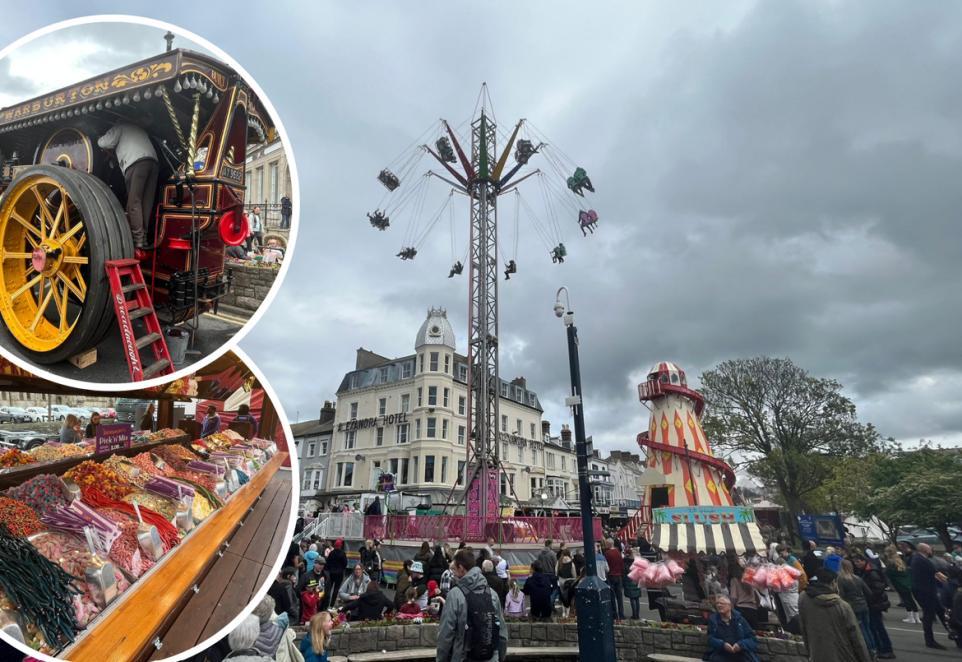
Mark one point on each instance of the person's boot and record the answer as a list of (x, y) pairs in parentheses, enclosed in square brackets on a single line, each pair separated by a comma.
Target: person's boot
[(909, 617), (936, 645)]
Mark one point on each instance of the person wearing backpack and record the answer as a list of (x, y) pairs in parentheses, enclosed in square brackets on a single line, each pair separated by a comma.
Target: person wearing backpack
[(472, 626)]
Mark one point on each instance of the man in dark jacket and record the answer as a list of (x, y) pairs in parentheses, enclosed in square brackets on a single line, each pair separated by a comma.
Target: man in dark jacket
[(540, 588), (878, 604), (810, 562), (730, 637), (828, 624), (336, 567), (454, 617), (371, 606), (925, 590), (499, 585), (285, 600)]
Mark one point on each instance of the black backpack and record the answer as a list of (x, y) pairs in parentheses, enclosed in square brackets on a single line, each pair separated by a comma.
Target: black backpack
[(483, 626)]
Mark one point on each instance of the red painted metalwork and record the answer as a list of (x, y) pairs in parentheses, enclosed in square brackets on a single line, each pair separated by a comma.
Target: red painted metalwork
[(654, 389), (714, 462), (139, 307), (453, 528), (465, 161)]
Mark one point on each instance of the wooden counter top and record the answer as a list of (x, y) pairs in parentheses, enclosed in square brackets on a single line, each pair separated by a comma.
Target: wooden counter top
[(131, 626)]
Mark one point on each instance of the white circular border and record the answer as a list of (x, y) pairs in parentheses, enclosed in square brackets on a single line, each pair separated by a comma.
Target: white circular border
[(233, 341), (262, 591)]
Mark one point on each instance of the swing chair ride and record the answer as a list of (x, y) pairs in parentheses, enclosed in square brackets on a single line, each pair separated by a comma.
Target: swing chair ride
[(481, 175)]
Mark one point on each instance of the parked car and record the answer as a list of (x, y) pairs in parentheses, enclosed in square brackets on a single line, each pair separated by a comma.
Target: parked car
[(131, 410), (37, 414), (916, 535), (22, 439), (59, 412), (81, 412), (19, 414)]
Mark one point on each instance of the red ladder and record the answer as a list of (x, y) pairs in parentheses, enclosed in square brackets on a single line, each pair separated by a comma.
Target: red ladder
[(140, 307)]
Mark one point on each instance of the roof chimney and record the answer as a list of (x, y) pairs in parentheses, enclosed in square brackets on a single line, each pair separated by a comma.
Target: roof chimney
[(565, 433), (519, 381), (546, 428), (327, 412)]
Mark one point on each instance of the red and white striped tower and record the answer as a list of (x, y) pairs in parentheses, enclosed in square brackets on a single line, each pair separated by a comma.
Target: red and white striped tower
[(681, 469)]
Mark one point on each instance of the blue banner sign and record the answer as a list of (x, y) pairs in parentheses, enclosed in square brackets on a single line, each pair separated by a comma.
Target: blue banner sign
[(703, 515), (823, 529)]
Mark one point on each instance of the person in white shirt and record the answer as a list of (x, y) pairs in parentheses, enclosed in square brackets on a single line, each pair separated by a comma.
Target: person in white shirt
[(256, 229), (138, 161)]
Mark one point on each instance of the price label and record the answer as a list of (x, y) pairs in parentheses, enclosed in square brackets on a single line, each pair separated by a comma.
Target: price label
[(112, 437)]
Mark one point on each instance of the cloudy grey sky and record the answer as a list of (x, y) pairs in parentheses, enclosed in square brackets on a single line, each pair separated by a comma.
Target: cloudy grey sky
[(772, 178)]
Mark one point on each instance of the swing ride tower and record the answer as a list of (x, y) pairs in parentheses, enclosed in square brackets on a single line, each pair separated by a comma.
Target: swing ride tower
[(480, 174)]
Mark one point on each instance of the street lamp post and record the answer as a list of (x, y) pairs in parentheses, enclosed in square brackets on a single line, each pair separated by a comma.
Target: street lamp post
[(596, 622)]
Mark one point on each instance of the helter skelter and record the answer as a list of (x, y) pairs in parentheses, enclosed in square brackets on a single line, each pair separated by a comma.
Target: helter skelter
[(482, 178)]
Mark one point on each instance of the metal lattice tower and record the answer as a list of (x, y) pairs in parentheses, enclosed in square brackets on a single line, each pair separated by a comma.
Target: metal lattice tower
[(483, 375)]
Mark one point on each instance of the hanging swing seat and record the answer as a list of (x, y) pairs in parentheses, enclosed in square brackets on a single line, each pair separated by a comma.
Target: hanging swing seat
[(524, 151), (587, 220), (407, 253), (579, 182), (389, 179), (445, 149), (379, 220)]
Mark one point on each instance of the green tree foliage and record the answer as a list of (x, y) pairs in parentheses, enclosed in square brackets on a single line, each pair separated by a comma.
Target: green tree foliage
[(921, 488), (788, 427)]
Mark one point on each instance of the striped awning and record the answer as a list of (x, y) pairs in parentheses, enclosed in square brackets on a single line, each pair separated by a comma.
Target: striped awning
[(741, 538)]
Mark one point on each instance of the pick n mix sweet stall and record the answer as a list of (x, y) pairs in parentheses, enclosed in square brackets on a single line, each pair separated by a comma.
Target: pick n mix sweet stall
[(143, 544)]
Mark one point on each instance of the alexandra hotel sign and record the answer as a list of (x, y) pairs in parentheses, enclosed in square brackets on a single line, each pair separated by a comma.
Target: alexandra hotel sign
[(374, 422)]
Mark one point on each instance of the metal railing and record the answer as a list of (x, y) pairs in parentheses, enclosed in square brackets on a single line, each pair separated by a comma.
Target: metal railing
[(334, 525), (271, 215), (453, 528)]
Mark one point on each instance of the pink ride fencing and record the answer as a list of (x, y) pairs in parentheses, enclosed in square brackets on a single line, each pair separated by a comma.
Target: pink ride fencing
[(452, 528)]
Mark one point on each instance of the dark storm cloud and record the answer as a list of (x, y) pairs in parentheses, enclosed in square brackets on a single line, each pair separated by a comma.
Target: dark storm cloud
[(773, 178)]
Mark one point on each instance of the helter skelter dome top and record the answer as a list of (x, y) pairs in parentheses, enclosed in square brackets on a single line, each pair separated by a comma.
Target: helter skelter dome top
[(436, 330), (667, 373)]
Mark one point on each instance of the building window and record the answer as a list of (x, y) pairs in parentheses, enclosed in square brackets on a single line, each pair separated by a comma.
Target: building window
[(393, 465), (447, 393), (504, 390), (461, 472), (306, 485), (444, 469), (402, 433), (504, 450), (519, 394), (382, 406), (353, 411), (533, 427), (349, 438), (420, 393), (518, 422), (420, 362), (461, 404), (520, 455), (534, 457), (310, 449), (444, 428), (447, 363), (432, 396), (432, 427), (405, 403), (417, 428), (550, 460), (383, 375), (433, 365), (463, 372), (380, 437), (504, 484), (323, 448), (318, 477), (416, 473), (272, 179), (355, 380), (428, 468), (564, 463), (504, 423), (406, 370), (461, 435), (345, 474), (404, 471)]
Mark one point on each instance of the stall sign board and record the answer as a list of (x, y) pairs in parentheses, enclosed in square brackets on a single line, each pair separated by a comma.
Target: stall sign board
[(823, 529), (703, 515), (112, 437)]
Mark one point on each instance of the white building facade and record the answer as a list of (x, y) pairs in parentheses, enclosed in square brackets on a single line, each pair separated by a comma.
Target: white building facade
[(407, 417), (626, 470), (313, 443)]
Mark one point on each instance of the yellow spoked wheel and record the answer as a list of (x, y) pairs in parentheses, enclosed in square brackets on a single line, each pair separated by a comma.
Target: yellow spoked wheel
[(57, 228)]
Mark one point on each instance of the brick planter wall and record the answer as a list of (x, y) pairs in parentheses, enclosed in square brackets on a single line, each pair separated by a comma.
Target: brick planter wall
[(633, 642), (249, 287)]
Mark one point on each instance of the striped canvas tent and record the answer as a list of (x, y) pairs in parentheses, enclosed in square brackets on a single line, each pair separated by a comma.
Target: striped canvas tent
[(741, 538)]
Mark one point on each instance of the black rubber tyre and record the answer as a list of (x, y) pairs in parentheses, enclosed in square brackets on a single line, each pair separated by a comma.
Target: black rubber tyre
[(108, 238)]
